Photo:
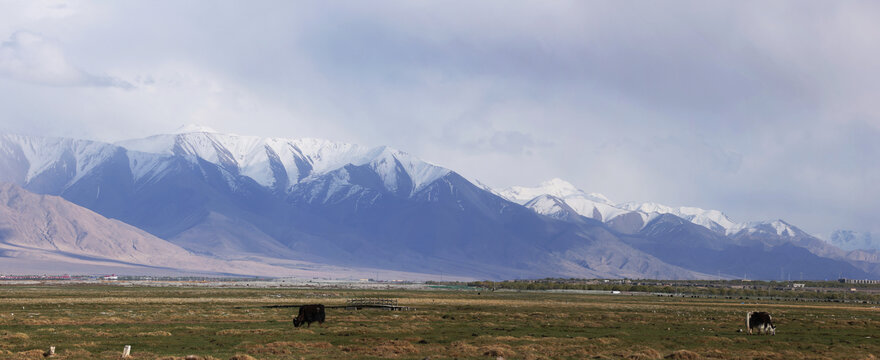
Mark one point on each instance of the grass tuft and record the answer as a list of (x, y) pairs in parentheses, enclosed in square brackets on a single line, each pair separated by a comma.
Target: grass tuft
[(683, 355)]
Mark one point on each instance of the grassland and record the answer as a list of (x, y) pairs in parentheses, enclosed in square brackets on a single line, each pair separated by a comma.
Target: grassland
[(95, 322)]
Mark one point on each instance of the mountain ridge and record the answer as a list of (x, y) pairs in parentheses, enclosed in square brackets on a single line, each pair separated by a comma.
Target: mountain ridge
[(236, 197), (767, 234)]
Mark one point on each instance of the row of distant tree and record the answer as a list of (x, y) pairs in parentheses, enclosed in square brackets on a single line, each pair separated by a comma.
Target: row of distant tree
[(812, 290)]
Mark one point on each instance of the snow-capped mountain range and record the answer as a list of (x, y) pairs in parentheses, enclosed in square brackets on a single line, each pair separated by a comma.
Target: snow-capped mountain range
[(553, 197), (275, 162), (308, 201), (271, 162)]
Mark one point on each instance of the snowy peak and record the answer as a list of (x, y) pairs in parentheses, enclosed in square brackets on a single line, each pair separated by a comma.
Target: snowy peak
[(551, 206), (282, 163), (72, 158), (275, 163), (555, 196), (783, 228), (587, 205), (711, 219), (591, 205), (555, 187), (716, 220), (420, 173), (559, 188), (193, 128), (775, 227)]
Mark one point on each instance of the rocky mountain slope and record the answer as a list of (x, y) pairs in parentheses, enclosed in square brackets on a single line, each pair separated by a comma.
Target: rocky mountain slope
[(243, 198), (50, 228), (47, 234), (699, 239)]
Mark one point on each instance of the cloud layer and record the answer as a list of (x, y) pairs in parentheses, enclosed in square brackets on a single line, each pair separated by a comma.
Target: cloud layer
[(764, 110), (31, 58)]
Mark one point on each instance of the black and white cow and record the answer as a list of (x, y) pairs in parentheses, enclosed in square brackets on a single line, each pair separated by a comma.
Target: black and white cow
[(761, 322), (309, 314)]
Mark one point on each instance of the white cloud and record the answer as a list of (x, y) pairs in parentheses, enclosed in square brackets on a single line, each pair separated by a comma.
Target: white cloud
[(761, 110), (47, 9), (29, 57)]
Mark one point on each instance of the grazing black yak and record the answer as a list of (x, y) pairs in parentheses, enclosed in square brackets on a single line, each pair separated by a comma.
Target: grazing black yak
[(309, 314)]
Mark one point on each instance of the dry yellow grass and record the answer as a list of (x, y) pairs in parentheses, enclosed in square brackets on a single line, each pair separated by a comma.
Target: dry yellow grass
[(7, 336), (225, 323), (242, 357), (683, 355), (383, 349), (644, 353), (288, 347), (496, 350), (244, 331), (26, 355), (154, 333)]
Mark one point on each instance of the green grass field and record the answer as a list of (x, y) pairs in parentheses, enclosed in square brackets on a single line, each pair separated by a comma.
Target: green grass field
[(95, 322)]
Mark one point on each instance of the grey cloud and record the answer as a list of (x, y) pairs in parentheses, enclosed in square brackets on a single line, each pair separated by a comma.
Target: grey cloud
[(511, 142), (492, 141), (764, 110), (29, 57)]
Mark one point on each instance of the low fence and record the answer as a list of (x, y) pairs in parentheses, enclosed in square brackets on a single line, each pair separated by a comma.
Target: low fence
[(378, 303)]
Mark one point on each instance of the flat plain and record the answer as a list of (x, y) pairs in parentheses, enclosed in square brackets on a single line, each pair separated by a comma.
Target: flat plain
[(96, 321)]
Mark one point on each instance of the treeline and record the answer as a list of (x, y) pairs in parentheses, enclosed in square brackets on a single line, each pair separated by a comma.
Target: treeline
[(735, 289)]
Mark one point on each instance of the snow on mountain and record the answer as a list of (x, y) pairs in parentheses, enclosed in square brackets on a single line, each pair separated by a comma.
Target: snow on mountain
[(775, 227), (783, 228), (75, 158), (711, 219), (275, 163), (597, 210), (388, 160), (323, 198), (592, 205), (555, 187), (715, 220), (551, 206), (545, 199), (599, 207), (194, 128), (146, 166), (278, 162), (485, 187)]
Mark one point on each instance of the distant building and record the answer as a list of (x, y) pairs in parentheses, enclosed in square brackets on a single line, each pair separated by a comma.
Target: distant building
[(111, 277), (798, 286), (858, 281)]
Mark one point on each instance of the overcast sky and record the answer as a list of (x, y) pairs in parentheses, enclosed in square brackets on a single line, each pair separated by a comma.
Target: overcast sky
[(763, 110)]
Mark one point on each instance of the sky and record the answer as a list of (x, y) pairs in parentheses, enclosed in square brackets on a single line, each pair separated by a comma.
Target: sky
[(763, 110)]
